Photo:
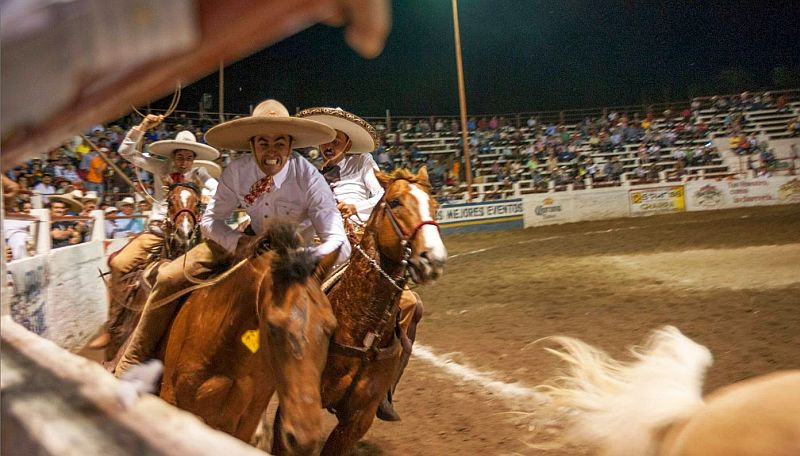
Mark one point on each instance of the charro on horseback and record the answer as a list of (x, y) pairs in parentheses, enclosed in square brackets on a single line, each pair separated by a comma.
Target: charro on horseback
[(172, 162)]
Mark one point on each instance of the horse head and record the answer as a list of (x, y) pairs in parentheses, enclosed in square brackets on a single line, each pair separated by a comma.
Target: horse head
[(183, 211), (407, 230), (297, 323)]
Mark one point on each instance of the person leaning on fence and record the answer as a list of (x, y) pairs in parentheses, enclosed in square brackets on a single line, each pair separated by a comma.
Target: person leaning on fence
[(271, 182), (171, 162), (64, 232), (350, 171)]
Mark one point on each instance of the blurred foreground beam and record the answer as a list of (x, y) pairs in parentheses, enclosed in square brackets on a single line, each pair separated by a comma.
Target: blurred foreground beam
[(57, 403), (91, 90)]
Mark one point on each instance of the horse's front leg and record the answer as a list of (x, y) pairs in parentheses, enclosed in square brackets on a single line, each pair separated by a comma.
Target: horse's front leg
[(277, 442), (355, 421)]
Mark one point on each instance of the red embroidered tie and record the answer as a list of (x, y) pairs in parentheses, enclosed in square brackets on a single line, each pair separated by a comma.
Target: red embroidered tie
[(262, 186), (177, 178)]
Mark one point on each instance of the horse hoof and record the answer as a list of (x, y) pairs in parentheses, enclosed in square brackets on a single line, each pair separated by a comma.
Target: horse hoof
[(386, 411)]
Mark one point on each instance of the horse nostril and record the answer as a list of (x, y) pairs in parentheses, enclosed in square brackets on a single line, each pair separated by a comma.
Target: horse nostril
[(291, 440), (424, 254)]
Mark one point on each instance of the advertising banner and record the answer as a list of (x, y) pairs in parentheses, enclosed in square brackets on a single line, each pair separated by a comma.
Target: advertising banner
[(710, 195), (657, 200), (548, 209), (487, 215)]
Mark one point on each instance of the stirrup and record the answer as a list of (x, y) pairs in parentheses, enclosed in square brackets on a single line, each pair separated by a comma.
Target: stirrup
[(386, 411)]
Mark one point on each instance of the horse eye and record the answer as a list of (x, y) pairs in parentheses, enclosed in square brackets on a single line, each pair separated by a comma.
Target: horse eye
[(394, 203)]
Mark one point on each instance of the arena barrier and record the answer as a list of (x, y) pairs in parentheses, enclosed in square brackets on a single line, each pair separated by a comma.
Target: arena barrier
[(58, 293), (615, 202), (57, 403)]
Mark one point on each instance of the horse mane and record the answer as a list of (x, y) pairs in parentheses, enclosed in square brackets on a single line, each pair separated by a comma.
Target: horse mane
[(619, 406), (293, 263), (404, 174)]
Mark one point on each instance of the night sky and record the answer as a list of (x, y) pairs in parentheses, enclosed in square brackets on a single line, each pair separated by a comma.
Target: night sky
[(528, 55)]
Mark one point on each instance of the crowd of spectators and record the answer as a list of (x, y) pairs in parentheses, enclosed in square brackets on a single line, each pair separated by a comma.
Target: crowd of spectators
[(505, 150), (596, 149), (73, 180)]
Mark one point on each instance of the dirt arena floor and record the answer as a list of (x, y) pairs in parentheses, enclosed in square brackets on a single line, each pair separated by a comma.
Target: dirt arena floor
[(728, 279)]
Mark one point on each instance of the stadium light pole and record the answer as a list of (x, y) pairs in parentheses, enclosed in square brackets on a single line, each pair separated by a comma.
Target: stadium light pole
[(221, 91), (462, 101)]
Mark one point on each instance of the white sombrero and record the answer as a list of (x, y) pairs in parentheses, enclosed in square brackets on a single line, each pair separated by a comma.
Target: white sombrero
[(127, 201), (269, 118), (184, 140), (213, 169), (90, 196), (360, 132)]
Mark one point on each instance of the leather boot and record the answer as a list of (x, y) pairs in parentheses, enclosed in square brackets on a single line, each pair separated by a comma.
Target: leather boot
[(386, 411)]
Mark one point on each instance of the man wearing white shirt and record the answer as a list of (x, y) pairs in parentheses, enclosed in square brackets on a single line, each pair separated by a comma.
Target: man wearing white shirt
[(45, 187), (272, 182), (170, 162), (350, 171)]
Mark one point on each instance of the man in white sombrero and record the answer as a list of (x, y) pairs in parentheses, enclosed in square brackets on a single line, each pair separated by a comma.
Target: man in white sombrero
[(350, 171), (171, 161), (271, 182)]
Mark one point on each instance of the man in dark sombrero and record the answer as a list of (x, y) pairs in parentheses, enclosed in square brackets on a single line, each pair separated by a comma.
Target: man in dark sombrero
[(272, 182), (350, 170)]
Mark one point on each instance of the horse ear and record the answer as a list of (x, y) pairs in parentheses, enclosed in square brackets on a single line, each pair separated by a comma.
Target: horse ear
[(422, 175), (326, 264), (383, 179)]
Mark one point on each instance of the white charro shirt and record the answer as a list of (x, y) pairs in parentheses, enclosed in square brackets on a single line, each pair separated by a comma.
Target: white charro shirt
[(357, 184), (129, 149), (299, 193)]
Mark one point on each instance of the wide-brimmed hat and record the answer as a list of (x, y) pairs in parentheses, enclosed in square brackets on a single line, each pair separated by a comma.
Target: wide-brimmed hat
[(362, 135), (213, 169), (73, 204), (269, 118), (184, 140), (127, 201), (90, 196)]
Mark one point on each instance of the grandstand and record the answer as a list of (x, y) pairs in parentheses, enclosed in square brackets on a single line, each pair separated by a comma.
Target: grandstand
[(766, 122)]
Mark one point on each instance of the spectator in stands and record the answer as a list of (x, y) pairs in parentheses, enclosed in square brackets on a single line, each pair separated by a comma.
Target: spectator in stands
[(64, 232), (781, 104), (125, 227), (614, 169), (95, 172), (111, 221), (45, 187), (793, 127)]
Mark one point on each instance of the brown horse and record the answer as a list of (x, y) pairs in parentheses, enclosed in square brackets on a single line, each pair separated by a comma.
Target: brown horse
[(401, 238), (654, 406), (181, 232), (262, 328)]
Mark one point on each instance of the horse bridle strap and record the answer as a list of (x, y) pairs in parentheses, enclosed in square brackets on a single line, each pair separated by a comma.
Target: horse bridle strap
[(371, 353), (399, 230), (188, 211)]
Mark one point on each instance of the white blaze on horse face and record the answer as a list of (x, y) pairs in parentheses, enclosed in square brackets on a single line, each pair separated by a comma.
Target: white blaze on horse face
[(432, 241), (185, 195)]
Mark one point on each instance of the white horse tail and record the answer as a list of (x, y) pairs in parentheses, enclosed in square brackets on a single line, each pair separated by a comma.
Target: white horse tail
[(621, 407)]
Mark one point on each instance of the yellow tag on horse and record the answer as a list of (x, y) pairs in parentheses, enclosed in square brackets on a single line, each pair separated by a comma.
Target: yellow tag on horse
[(250, 339)]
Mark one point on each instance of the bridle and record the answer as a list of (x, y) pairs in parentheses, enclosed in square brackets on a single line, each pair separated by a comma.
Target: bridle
[(171, 221), (370, 349)]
